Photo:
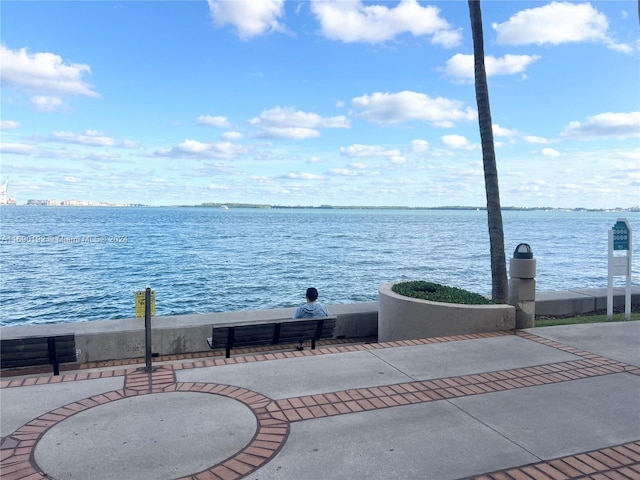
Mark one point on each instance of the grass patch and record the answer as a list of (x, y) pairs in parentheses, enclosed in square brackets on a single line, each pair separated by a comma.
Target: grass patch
[(617, 317), (435, 292)]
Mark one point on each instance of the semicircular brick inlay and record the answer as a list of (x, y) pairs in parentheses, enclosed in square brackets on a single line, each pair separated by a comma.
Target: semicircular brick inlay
[(161, 435), (270, 427)]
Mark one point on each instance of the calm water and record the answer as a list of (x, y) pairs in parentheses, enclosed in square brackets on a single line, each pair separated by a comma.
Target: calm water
[(65, 264)]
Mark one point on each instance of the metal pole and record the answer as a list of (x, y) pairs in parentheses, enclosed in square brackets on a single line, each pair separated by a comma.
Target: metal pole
[(627, 292), (610, 279), (147, 328)]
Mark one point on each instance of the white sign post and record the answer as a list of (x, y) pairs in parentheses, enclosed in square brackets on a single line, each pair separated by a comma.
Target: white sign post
[(620, 265)]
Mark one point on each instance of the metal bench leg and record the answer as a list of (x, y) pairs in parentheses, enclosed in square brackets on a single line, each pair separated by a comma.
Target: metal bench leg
[(319, 326), (229, 346), (53, 355)]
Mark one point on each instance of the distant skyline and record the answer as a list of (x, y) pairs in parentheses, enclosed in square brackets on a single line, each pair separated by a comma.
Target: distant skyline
[(340, 103)]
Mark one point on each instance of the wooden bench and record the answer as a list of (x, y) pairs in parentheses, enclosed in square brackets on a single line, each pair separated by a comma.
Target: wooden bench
[(242, 334), (32, 351)]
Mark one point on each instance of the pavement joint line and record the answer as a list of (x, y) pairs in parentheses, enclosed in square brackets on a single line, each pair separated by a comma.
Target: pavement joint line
[(488, 426), (274, 417)]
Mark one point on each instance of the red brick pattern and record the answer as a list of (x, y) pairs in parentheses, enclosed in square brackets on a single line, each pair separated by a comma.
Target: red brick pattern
[(619, 462), (275, 417), (372, 398)]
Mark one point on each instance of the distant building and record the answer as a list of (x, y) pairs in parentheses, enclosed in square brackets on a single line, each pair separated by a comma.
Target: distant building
[(49, 202), (52, 202)]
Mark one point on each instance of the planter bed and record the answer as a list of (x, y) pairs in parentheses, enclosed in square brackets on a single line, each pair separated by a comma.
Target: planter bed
[(406, 318)]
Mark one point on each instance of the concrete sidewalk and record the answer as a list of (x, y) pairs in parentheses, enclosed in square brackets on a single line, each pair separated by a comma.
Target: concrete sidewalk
[(554, 402)]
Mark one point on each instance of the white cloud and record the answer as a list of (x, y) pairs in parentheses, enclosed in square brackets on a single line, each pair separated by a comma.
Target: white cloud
[(354, 170), (359, 151), (460, 67), (447, 38), (288, 117), (394, 108), (344, 172), (534, 139), (287, 123), (220, 122), (90, 137), (398, 160), (288, 133), (18, 148), (71, 179), (458, 142), (46, 104), (351, 21), (231, 135), (8, 125), (44, 73), (557, 23), (131, 144), (215, 186), (618, 125), (302, 176), (102, 156), (418, 146), (550, 152), (193, 148), (251, 18), (499, 131)]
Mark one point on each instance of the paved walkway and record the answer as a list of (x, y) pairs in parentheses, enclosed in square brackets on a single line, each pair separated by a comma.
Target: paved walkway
[(546, 403)]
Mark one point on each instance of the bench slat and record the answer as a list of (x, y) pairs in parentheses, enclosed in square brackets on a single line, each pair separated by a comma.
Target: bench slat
[(33, 351), (271, 333), (26, 362), (244, 335), (303, 330), (16, 346)]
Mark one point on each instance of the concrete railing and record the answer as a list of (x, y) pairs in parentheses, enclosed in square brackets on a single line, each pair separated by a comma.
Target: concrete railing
[(125, 338), (120, 339), (576, 302)]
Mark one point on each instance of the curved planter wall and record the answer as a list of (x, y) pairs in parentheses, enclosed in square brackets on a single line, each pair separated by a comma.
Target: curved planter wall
[(405, 318)]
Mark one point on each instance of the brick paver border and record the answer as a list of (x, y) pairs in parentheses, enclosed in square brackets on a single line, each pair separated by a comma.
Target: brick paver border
[(618, 462), (275, 416)]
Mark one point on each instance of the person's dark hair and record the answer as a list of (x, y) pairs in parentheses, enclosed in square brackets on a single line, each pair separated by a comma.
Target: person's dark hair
[(312, 294)]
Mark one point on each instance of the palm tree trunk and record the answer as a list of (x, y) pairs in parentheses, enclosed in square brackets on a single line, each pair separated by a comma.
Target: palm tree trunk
[(499, 283)]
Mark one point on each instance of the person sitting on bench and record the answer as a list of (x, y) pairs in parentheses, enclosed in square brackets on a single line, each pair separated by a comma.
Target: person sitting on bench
[(312, 308)]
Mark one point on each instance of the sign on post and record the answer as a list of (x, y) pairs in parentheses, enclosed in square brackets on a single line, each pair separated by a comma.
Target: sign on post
[(621, 235), (146, 307), (620, 265), (141, 302)]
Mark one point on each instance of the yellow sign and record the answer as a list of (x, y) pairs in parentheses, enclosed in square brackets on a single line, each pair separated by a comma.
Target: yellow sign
[(140, 303)]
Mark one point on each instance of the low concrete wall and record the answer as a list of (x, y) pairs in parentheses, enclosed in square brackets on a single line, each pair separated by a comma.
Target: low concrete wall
[(119, 339), (576, 302), (405, 318)]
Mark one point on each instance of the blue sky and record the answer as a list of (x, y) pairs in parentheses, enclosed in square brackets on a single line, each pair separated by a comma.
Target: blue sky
[(318, 102)]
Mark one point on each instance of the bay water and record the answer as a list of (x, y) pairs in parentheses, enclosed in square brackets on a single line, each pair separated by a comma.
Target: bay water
[(71, 264)]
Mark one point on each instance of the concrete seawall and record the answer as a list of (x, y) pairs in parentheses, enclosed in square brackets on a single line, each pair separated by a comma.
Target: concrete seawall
[(120, 339)]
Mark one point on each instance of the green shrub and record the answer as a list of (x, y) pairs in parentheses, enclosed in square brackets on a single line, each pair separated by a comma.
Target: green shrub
[(439, 293)]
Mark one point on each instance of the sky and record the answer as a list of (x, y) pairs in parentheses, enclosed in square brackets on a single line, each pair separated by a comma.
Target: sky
[(344, 103)]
